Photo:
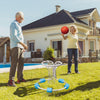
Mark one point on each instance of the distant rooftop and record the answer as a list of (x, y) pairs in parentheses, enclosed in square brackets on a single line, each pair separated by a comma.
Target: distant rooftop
[(82, 12), (3, 40)]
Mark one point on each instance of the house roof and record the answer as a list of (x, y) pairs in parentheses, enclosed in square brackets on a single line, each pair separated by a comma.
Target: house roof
[(82, 12), (62, 17), (3, 40), (53, 19)]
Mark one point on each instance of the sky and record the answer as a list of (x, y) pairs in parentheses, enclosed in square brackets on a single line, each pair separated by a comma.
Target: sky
[(37, 9)]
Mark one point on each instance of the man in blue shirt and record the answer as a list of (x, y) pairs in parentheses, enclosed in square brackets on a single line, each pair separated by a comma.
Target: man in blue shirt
[(17, 48)]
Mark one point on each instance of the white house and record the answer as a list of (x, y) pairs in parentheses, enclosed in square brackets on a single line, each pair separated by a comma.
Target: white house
[(46, 32)]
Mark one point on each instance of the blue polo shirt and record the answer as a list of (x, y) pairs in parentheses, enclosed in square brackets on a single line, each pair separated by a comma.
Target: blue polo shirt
[(16, 35)]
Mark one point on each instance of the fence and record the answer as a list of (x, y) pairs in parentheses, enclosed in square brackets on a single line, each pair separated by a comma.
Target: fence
[(94, 55)]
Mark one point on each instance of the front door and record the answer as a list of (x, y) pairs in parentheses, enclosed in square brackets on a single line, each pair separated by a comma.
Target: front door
[(57, 46)]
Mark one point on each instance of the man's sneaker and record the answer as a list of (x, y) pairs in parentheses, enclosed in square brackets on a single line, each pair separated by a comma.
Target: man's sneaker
[(18, 82), (68, 73), (11, 83), (23, 80)]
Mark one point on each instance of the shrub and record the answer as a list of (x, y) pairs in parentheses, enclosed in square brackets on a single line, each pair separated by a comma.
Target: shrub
[(49, 54)]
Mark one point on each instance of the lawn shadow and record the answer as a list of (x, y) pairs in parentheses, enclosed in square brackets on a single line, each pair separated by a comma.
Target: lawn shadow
[(88, 86), (28, 80), (28, 90), (3, 84), (67, 74), (35, 79), (25, 91)]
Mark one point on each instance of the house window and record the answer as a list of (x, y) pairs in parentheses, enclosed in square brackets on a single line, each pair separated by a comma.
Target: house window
[(81, 47), (91, 32), (89, 22), (31, 45), (55, 45), (92, 45), (93, 24), (99, 31)]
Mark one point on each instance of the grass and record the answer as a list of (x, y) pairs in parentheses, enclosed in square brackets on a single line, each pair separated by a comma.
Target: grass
[(83, 86)]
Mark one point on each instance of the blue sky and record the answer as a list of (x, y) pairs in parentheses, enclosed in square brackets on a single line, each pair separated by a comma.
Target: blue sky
[(36, 9)]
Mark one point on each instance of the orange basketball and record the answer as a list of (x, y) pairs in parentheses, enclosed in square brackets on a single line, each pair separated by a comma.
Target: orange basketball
[(64, 29)]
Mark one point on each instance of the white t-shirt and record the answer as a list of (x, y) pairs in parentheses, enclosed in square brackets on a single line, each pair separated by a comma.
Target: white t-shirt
[(72, 41)]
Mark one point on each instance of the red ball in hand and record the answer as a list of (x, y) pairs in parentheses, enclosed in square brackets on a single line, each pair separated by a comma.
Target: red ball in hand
[(64, 29)]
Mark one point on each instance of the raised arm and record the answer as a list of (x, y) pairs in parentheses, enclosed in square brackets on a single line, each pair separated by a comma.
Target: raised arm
[(64, 37)]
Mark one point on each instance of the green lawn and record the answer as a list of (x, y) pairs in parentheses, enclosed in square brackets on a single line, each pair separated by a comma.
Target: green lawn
[(83, 86)]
